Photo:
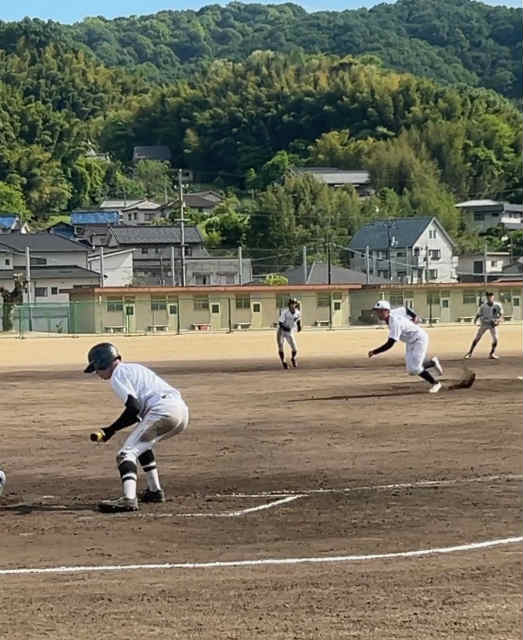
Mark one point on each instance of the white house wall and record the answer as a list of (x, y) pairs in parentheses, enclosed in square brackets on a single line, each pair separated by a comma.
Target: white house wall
[(118, 269)]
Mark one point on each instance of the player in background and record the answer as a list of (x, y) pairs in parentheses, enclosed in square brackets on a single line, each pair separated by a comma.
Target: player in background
[(290, 318), (402, 326), (3, 480), (489, 314), (149, 401)]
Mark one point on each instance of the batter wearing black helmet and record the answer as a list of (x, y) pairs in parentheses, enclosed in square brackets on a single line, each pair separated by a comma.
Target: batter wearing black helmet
[(149, 401), (290, 318)]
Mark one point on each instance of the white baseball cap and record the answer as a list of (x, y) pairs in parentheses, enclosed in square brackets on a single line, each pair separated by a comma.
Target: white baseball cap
[(382, 304)]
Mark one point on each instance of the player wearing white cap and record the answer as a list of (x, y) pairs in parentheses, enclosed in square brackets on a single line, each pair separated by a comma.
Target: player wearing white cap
[(402, 326), (290, 318)]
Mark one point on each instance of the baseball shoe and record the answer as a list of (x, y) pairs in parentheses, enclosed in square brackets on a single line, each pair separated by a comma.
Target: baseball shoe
[(294, 364), (493, 356), (152, 496), (119, 505), (468, 356), (435, 388), (437, 365), (284, 365)]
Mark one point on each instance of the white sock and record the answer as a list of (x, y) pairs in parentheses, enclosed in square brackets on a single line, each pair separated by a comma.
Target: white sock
[(129, 488), (153, 479)]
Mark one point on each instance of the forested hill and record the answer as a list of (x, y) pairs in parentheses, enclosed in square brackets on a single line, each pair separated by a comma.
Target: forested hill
[(447, 40)]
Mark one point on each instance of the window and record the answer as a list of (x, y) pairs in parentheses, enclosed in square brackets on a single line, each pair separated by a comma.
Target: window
[(445, 303), (114, 305), (225, 278), (396, 299), (38, 262), (243, 302), (400, 254), (173, 309), (494, 264), (435, 254), (469, 297), (158, 304), (337, 305), (215, 307), (201, 303), (188, 251), (54, 291), (40, 292), (324, 299), (433, 234), (515, 302), (432, 274), (416, 252), (256, 307), (433, 298), (7, 262), (202, 278), (477, 266), (145, 251)]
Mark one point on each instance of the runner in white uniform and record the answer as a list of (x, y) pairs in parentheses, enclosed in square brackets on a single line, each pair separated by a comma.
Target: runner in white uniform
[(3, 480), (489, 314), (157, 407), (289, 319), (402, 326)]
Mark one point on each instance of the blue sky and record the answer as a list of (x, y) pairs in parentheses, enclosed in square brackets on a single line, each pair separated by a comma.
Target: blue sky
[(74, 10)]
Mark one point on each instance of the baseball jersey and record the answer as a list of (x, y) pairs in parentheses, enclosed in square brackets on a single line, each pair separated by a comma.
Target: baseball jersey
[(142, 383), (489, 312), (289, 318), (402, 328)]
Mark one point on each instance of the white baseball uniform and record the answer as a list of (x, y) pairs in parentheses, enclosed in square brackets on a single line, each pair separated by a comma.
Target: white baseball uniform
[(289, 320), (415, 338), (163, 413), (488, 315)]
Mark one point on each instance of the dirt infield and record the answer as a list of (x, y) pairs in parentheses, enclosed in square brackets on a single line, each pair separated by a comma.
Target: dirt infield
[(323, 482)]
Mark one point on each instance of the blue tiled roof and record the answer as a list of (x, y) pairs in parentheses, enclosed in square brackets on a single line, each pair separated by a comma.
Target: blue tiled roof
[(376, 235), (95, 217), (7, 221)]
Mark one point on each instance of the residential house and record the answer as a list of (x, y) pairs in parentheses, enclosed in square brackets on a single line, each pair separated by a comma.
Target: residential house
[(480, 215), (153, 250), (318, 273), (12, 222), (479, 267), (513, 272), (117, 267), (138, 211), (411, 250), (217, 271), (204, 201), (56, 265), (92, 227), (64, 229), (158, 152), (333, 177)]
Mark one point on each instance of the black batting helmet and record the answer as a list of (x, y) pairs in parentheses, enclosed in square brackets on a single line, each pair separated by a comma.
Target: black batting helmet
[(293, 301), (101, 356)]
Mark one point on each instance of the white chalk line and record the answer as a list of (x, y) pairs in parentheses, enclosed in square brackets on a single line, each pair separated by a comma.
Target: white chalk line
[(266, 562), (379, 487), (225, 514)]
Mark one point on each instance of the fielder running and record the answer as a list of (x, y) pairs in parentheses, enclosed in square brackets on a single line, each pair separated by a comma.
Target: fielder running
[(490, 314), (159, 411), (289, 319), (402, 326), (3, 480)]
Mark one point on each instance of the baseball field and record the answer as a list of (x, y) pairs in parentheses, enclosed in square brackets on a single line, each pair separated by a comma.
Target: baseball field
[(335, 500)]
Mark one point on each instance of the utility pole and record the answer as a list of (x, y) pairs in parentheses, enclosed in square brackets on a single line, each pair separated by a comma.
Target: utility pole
[(102, 267), (304, 264), (29, 292), (182, 228), (329, 264), (173, 274), (367, 263), (240, 266), (485, 278)]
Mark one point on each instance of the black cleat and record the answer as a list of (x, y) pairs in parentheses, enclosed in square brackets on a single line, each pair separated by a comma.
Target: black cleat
[(285, 365), (152, 496), (294, 362)]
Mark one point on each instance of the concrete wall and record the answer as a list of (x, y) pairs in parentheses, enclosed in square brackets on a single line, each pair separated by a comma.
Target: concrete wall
[(118, 268)]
